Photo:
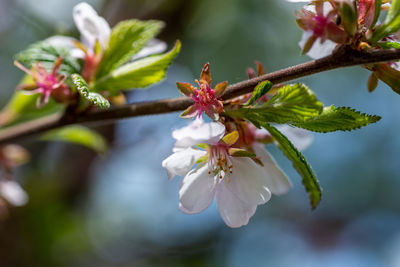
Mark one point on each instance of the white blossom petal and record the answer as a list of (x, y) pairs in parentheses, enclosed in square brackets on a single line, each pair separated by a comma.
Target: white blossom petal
[(198, 132), (326, 8), (234, 212), (61, 41), (318, 50), (91, 26), (197, 190), (248, 181), (180, 162), (155, 46), (277, 181), (300, 138), (13, 193), (66, 43)]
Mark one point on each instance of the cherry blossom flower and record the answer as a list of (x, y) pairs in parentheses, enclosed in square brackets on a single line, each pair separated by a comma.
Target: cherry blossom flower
[(93, 28), (321, 33), (222, 170), (95, 32), (206, 99), (46, 84)]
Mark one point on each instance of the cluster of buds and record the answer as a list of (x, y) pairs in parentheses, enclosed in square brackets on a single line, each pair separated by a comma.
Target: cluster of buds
[(333, 22), (231, 161), (354, 23)]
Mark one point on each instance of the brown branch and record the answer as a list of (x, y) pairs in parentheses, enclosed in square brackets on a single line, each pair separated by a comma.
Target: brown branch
[(342, 57)]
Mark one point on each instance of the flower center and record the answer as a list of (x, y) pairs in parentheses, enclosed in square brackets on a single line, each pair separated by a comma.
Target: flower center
[(47, 83), (219, 163), (320, 25), (204, 96)]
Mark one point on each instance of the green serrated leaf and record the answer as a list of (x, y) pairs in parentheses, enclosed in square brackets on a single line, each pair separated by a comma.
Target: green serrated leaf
[(47, 54), (292, 103), (78, 135), (337, 119), (138, 74), (391, 23), (309, 179), (127, 38), (261, 89), (83, 90)]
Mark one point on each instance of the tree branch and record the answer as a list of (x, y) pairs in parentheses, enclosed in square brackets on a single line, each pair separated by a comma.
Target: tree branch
[(341, 57)]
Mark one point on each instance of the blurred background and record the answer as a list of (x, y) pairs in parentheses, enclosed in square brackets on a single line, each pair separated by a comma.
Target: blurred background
[(119, 209)]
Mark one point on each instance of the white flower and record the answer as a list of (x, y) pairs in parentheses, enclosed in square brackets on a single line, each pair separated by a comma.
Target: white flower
[(154, 46), (93, 28), (320, 34), (300, 138), (278, 183), (13, 193), (318, 50), (238, 183)]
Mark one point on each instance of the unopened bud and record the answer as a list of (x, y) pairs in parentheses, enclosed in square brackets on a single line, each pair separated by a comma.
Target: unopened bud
[(250, 73), (62, 94)]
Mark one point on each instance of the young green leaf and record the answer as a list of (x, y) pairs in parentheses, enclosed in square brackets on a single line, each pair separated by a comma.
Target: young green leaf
[(309, 180), (378, 4), (78, 135), (83, 90), (292, 103), (261, 89), (391, 23), (138, 74), (389, 45), (47, 54), (348, 14), (127, 38), (337, 119)]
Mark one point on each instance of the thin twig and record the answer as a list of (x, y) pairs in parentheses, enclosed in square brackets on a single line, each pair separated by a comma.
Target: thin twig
[(342, 57)]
